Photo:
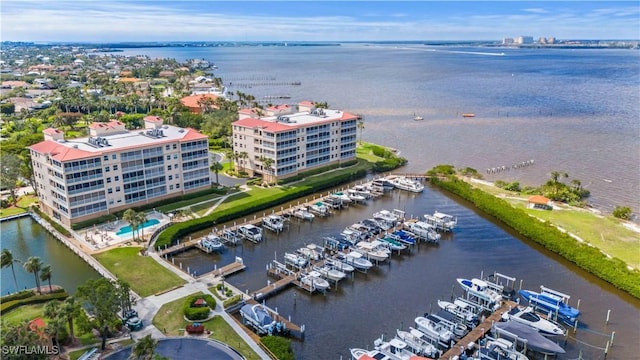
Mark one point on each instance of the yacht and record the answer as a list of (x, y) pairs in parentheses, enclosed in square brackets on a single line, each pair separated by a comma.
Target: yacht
[(384, 183), (407, 184), (419, 228), (386, 217), (311, 252), (528, 316), (250, 232), (273, 222), (519, 332)]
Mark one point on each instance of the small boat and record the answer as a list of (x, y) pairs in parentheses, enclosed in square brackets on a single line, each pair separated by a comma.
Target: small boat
[(230, 236), (344, 197), (442, 221), (396, 349), (315, 281), (303, 213), (419, 345), (250, 232), (371, 250), (258, 317), (551, 300), (393, 242), (528, 316), (356, 260), (433, 328), (420, 228), (480, 289), (519, 332), (211, 243), (501, 349), (362, 354), (319, 209), (339, 265), (386, 216), (336, 244), (330, 273), (468, 115), (295, 260), (355, 196), (311, 252), (417, 117), (404, 237), (273, 222), (462, 310)]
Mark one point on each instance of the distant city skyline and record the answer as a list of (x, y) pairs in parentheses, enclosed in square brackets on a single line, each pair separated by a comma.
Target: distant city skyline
[(134, 21)]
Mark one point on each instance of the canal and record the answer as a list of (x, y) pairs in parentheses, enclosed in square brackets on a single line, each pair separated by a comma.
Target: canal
[(24, 238), (391, 296)]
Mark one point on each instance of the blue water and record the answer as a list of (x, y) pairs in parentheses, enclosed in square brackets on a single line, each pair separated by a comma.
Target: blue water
[(573, 110), (126, 230)]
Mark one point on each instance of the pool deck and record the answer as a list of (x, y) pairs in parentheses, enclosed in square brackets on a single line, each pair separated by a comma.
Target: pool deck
[(103, 237)]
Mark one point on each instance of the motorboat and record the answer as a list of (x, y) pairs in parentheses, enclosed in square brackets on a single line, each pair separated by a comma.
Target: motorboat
[(419, 345), (330, 273), (311, 252), (519, 332), (356, 260), (362, 354), (487, 297), (500, 349), (407, 184), (314, 280), (229, 236), (396, 349), (273, 222), (336, 244), (372, 225), (371, 251), (362, 191), (433, 328), (344, 197), (354, 195), (250, 232), (420, 229), (258, 317), (528, 316), (295, 260), (442, 221), (553, 301), (386, 216), (333, 201), (303, 213), (462, 310), (319, 209), (211, 243), (393, 242), (339, 265), (404, 237), (384, 183)]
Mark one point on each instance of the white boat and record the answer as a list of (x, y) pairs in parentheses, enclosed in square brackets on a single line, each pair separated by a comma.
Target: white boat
[(420, 228), (250, 232), (314, 280), (273, 222), (330, 273), (501, 349), (387, 216), (356, 260), (295, 260), (319, 209), (303, 213), (396, 349), (407, 184), (528, 316), (442, 221), (393, 242), (384, 183), (211, 243), (486, 296), (433, 328), (362, 191), (420, 346), (362, 354), (461, 309), (339, 265), (311, 252), (230, 236), (258, 317), (355, 196), (351, 235), (371, 251), (344, 197)]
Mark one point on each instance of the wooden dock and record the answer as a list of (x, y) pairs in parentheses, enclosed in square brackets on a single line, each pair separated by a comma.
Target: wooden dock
[(277, 317), (479, 331), (234, 267)]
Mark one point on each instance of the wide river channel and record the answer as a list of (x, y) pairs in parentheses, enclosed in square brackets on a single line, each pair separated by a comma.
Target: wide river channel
[(391, 296)]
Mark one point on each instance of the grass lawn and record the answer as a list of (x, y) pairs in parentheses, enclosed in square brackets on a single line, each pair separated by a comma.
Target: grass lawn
[(185, 203), (23, 313), (604, 232), (364, 151), (23, 204), (144, 275), (171, 319)]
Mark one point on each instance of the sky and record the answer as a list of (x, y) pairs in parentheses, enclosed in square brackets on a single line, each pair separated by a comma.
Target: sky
[(180, 20)]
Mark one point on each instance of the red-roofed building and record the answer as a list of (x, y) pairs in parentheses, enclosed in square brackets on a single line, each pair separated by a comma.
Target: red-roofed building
[(293, 141), (540, 202), (115, 169), (196, 103)]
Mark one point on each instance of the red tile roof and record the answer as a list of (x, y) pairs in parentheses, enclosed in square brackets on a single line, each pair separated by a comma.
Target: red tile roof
[(193, 134), (192, 100), (266, 125), (51, 131), (306, 103), (279, 107), (539, 199), (61, 152), (152, 118)]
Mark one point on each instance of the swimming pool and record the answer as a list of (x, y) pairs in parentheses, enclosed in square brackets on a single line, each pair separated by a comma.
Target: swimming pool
[(126, 230)]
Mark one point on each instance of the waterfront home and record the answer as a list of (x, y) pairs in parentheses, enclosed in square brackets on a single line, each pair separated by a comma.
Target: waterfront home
[(539, 202)]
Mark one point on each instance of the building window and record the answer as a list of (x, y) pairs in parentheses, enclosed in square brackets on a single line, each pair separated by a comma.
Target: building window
[(106, 169), (175, 156), (170, 177), (170, 187), (106, 158), (117, 188), (114, 156), (175, 146), (167, 147), (108, 179), (169, 167), (110, 191), (117, 178), (177, 186), (115, 167)]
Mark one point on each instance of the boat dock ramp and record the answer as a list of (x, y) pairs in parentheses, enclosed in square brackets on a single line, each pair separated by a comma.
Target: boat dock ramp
[(229, 269)]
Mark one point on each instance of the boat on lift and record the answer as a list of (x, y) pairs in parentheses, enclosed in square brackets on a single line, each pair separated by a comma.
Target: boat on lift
[(553, 301), (314, 280), (479, 289), (273, 222), (527, 315), (356, 260)]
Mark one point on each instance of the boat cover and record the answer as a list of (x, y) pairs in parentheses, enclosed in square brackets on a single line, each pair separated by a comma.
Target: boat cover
[(535, 341)]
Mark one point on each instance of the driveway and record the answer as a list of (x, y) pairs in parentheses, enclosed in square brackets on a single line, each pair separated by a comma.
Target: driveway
[(185, 348)]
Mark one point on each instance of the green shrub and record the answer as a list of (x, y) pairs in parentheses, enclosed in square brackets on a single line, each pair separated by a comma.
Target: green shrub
[(19, 295), (36, 299), (198, 313), (231, 301), (279, 346), (61, 229), (622, 212)]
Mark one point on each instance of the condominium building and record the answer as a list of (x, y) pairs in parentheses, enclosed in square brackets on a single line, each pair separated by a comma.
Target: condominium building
[(115, 169), (282, 141)]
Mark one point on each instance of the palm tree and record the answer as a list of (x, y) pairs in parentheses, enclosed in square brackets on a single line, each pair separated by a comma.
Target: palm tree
[(216, 167), (8, 260), (243, 155), (266, 163), (360, 126), (235, 156), (144, 349), (69, 309), (33, 265), (130, 216), (45, 275), (54, 324), (141, 218)]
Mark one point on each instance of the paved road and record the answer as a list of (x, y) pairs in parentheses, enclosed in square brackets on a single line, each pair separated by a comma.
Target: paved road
[(185, 348)]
